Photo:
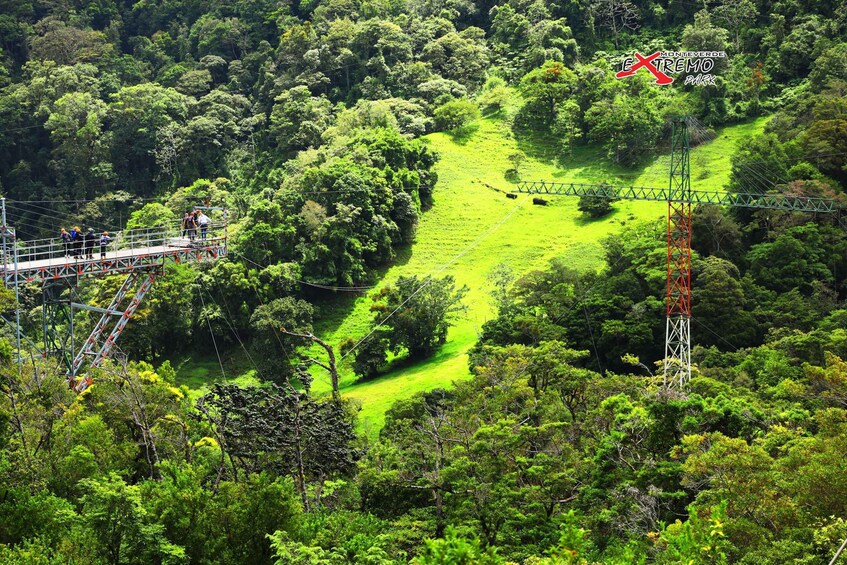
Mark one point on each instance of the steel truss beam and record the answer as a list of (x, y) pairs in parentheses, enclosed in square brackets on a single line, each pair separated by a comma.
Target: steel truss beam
[(139, 254), (767, 201), (214, 250), (93, 349), (680, 199)]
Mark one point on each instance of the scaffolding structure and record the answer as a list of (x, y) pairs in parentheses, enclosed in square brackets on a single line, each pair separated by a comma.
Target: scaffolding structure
[(58, 269)]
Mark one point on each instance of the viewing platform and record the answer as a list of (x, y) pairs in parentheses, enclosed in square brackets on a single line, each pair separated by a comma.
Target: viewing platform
[(130, 250)]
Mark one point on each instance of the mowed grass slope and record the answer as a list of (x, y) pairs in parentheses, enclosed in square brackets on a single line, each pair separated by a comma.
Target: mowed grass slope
[(472, 228)]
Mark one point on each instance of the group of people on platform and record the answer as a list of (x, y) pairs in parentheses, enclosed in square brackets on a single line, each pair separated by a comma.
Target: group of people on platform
[(81, 245), (193, 220)]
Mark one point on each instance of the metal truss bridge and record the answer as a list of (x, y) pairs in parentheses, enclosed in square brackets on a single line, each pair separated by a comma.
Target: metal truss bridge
[(138, 255)]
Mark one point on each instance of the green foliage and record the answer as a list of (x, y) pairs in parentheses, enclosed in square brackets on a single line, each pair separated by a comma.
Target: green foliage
[(371, 355), (418, 312), (266, 236), (165, 321), (544, 89), (456, 115), (456, 550), (271, 345), (700, 540), (827, 69), (253, 507), (40, 516), (628, 127), (301, 120), (793, 260), (137, 114), (586, 308), (119, 526), (719, 302), (152, 215), (758, 163), (495, 95), (824, 140), (298, 119), (703, 35), (279, 430)]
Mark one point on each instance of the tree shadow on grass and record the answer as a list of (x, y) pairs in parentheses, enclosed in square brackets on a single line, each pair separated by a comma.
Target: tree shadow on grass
[(395, 366), (589, 160), (494, 114), (616, 215)]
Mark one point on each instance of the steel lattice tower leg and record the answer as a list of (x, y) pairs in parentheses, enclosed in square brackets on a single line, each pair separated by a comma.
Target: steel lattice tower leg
[(57, 321), (678, 328), (106, 349), (113, 316)]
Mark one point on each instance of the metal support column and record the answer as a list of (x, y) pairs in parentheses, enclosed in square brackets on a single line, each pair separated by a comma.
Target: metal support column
[(678, 328), (106, 349), (90, 343), (57, 320)]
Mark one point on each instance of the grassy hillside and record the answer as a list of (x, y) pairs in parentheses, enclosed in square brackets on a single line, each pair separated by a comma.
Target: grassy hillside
[(472, 228)]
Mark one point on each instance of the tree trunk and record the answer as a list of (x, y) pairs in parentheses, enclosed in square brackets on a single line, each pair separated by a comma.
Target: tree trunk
[(330, 366), (439, 512)]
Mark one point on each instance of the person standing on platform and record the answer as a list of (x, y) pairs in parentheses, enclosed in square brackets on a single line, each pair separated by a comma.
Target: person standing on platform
[(185, 218), (104, 242), (90, 238), (66, 242), (203, 221), (76, 236), (192, 226)]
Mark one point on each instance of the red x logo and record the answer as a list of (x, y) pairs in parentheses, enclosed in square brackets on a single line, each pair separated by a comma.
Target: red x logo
[(647, 63)]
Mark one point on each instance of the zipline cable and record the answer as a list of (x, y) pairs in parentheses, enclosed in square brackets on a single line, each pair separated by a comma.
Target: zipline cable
[(214, 341), (429, 279), (231, 327)]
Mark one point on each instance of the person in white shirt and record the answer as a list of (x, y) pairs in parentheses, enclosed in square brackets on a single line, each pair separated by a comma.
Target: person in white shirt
[(203, 221)]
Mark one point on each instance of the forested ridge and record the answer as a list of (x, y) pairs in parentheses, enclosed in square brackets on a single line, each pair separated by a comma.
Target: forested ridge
[(310, 123)]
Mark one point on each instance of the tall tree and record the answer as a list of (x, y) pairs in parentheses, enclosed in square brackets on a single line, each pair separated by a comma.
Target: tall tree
[(617, 16), (419, 312), (81, 154)]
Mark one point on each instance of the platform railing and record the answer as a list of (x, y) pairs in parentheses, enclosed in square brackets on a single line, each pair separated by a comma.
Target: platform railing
[(129, 242)]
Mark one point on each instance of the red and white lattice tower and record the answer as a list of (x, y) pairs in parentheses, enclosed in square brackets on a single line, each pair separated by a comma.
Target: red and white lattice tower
[(678, 326)]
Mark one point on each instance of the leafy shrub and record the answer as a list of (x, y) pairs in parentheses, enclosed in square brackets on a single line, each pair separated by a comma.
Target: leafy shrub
[(455, 115)]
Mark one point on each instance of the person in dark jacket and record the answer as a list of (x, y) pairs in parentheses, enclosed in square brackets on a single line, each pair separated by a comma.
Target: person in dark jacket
[(66, 242), (185, 221), (90, 238), (191, 224), (76, 237), (104, 242)]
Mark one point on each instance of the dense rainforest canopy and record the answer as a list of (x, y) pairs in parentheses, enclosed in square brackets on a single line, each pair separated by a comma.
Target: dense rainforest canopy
[(308, 121)]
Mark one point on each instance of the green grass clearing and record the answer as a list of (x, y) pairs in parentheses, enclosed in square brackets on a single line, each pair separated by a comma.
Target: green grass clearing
[(467, 234), (465, 220), (198, 372)]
